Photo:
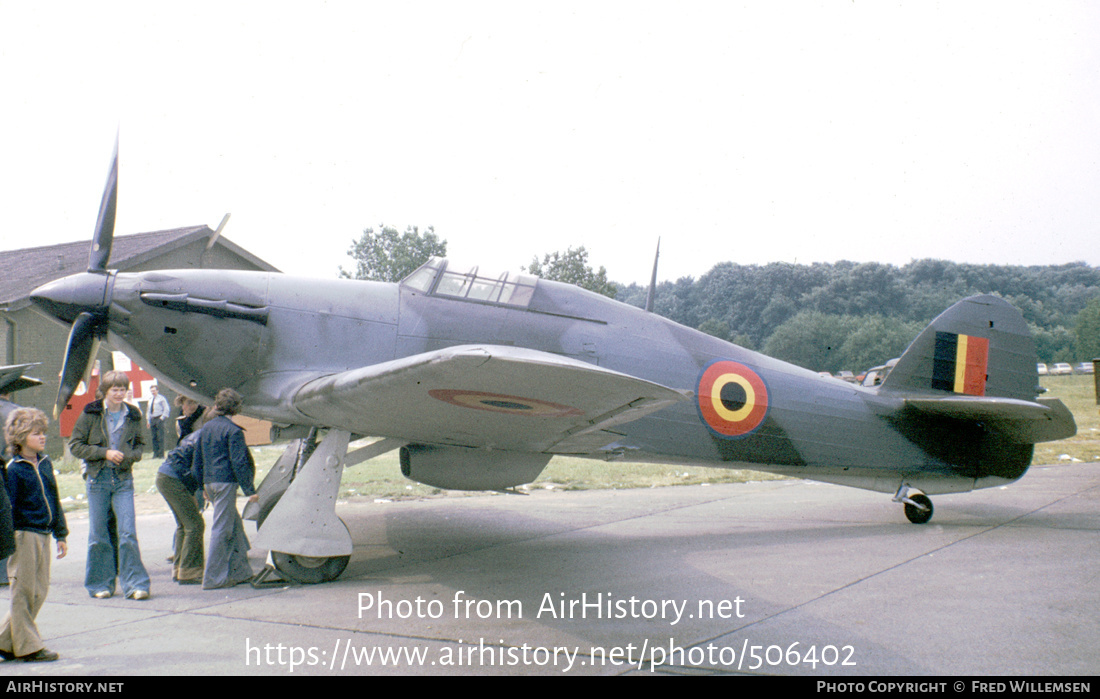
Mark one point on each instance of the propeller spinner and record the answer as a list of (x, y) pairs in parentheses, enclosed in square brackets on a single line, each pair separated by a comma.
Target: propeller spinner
[(84, 299)]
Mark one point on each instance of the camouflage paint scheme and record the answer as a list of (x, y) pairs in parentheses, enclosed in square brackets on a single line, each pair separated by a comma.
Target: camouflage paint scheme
[(365, 357), (480, 380)]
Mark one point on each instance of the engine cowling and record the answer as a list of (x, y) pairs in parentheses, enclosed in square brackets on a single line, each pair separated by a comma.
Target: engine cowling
[(465, 468)]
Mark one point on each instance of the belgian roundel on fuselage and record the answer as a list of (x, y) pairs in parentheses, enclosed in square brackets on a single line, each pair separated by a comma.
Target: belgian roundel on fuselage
[(732, 399)]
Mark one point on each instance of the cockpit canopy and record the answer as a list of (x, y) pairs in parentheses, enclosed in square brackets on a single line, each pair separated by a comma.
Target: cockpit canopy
[(437, 277)]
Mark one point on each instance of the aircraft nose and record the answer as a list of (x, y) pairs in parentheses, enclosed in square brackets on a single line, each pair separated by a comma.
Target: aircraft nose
[(67, 298)]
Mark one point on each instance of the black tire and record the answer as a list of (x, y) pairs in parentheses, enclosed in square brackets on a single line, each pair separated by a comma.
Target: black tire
[(308, 570), (917, 515)]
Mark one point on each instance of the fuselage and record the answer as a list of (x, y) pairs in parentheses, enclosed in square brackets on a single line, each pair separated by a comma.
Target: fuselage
[(268, 334)]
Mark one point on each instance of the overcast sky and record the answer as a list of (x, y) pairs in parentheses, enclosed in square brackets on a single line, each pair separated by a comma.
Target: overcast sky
[(755, 132)]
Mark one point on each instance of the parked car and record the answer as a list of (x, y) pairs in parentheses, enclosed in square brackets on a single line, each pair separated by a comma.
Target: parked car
[(1061, 369), (1042, 369), (1085, 368), (875, 376)]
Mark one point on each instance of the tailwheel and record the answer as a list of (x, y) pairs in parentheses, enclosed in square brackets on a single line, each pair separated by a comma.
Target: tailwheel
[(309, 570), (918, 508)]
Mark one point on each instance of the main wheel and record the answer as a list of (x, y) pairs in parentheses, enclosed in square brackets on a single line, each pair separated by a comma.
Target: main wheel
[(309, 570), (915, 514)]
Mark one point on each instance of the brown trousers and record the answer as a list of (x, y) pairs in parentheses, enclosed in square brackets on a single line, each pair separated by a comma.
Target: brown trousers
[(29, 571), (187, 564)]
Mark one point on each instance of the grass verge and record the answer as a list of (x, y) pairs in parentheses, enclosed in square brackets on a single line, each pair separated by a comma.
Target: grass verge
[(1078, 392), (380, 478)]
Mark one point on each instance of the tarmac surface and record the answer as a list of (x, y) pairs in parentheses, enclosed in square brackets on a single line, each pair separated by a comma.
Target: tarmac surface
[(779, 577)]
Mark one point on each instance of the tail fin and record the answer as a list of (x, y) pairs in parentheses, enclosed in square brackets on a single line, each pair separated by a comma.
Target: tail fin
[(967, 386), (981, 346)]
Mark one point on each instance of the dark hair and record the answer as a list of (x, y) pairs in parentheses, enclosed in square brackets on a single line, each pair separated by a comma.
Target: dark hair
[(227, 402)]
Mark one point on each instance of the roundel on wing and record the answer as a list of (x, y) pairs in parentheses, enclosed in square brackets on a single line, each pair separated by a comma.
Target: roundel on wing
[(498, 403), (732, 398)]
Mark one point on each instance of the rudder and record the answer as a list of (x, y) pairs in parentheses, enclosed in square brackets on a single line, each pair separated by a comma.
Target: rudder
[(981, 346)]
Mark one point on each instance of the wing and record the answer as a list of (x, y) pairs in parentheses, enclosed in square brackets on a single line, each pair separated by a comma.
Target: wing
[(486, 396), (12, 379), (1026, 422)]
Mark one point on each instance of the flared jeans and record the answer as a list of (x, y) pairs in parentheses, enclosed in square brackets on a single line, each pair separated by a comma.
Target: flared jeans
[(110, 490)]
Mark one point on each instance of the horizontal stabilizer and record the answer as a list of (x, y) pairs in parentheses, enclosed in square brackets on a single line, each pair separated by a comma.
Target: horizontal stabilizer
[(1025, 422)]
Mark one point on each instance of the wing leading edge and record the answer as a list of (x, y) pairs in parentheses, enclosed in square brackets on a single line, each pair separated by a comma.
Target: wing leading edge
[(12, 378), (486, 396)]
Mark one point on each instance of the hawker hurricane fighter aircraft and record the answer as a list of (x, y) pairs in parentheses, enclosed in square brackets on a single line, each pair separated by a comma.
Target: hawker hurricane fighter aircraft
[(479, 380)]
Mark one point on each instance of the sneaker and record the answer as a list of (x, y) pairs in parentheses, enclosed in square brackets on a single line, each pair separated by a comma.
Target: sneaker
[(44, 655), (102, 594), (138, 595), (7, 655)]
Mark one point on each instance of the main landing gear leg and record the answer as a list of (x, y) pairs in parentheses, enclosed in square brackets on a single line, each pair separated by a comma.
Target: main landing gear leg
[(918, 508), (307, 541), (280, 476)]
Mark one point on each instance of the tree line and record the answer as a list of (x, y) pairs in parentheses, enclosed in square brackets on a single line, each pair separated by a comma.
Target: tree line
[(848, 315), (823, 316)]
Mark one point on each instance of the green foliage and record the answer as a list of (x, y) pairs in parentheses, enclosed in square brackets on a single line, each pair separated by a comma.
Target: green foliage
[(717, 328), (755, 301), (1053, 344), (875, 340), (825, 342), (572, 267), (387, 256), (813, 340), (1087, 340)]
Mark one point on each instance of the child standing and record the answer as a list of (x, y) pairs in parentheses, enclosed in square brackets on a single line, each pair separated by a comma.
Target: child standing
[(108, 437), (36, 513)]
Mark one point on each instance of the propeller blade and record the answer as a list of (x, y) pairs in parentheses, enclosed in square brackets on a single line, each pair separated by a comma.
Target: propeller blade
[(78, 355), (105, 225)]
